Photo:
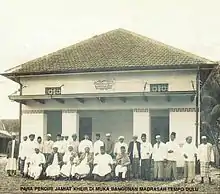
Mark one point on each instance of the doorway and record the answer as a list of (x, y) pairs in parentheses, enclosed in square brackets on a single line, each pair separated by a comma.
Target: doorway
[(85, 127), (159, 120), (54, 123)]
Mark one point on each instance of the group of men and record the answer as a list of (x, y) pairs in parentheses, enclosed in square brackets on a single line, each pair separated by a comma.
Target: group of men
[(104, 160)]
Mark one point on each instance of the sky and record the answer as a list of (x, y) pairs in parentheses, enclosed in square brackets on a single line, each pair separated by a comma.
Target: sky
[(33, 28)]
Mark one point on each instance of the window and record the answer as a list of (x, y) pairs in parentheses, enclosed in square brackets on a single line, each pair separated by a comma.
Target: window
[(53, 90), (159, 87)]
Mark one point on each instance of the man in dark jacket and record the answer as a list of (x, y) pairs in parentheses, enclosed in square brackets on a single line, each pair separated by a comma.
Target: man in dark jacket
[(12, 155), (134, 152)]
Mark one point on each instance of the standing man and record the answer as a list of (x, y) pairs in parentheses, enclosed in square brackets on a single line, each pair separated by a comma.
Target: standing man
[(74, 143), (85, 143), (117, 149), (109, 145), (31, 145), (159, 157), (40, 144), (48, 146), (12, 155), (206, 158), (59, 144), (189, 153), (22, 152), (172, 149), (146, 155), (134, 152), (98, 143)]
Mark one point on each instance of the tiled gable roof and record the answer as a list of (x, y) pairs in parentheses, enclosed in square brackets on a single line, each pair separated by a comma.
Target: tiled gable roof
[(115, 50)]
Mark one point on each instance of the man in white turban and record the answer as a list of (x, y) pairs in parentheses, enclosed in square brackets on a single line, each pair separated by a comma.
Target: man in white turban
[(36, 164), (117, 149)]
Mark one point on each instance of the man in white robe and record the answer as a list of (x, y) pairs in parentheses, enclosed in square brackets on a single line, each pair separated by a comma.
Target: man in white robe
[(31, 144), (98, 143), (22, 153), (36, 164), (85, 143), (55, 160), (84, 164), (173, 151), (122, 162), (103, 164), (206, 158), (70, 160), (159, 156), (59, 144), (12, 155), (65, 142), (117, 149), (189, 151), (48, 146)]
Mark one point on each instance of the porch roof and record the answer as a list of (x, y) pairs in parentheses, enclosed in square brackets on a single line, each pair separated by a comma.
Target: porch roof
[(124, 96)]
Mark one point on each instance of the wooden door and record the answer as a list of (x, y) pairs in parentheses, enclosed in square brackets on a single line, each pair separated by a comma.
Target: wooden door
[(85, 127)]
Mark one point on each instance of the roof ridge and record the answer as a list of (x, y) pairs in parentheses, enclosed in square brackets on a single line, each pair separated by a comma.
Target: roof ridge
[(175, 49)]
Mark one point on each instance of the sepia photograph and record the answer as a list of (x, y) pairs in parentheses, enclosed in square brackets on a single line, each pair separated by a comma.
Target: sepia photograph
[(109, 96)]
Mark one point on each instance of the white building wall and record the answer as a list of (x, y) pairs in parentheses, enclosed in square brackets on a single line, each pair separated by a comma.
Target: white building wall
[(122, 81), (182, 121), (34, 122), (141, 122), (70, 122)]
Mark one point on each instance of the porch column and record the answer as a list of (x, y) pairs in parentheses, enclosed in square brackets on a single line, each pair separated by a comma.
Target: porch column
[(183, 122), (34, 121), (141, 122), (70, 122)]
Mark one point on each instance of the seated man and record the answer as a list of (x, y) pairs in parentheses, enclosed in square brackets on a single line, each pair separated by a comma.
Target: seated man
[(102, 166), (54, 163), (84, 164), (122, 162), (36, 164), (70, 160)]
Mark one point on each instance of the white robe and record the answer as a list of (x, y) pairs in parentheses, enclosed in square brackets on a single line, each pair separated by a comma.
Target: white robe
[(97, 146), (48, 146), (68, 168), (189, 150), (53, 169), (205, 153), (31, 145), (172, 145), (85, 143), (60, 146), (23, 149), (11, 162), (83, 168), (159, 153), (102, 168), (117, 149), (34, 168)]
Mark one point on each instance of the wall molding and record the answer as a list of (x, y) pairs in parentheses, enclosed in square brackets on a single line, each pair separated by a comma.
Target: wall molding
[(182, 109), (140, 110), (69, 111), (32, 111)]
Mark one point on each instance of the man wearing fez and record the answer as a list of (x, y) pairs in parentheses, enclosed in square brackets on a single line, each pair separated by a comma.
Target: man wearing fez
[(173, 150), (134, 151), (12, 155), (159, 157), (146, 155), (189, 153), (206, 158)]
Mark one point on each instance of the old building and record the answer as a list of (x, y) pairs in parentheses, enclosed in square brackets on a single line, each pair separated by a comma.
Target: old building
[(118, 82)]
